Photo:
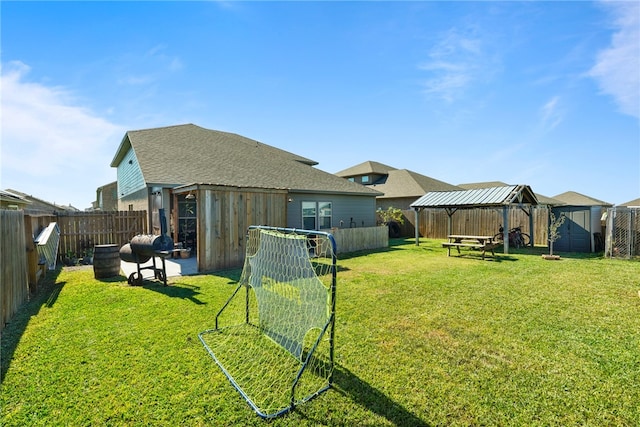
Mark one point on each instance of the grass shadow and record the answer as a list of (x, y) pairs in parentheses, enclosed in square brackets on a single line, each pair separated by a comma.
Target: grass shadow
[(46, 296), (356, 254), (176, 290), (347, 383), (232, 274)]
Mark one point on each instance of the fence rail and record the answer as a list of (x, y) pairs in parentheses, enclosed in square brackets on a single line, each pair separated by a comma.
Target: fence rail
[(80, 231)]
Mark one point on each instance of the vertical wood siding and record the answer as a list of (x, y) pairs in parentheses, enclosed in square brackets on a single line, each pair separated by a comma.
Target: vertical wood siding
[(225, 213)]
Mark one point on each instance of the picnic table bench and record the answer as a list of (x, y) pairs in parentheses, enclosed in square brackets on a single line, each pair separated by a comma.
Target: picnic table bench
[(483, 243)]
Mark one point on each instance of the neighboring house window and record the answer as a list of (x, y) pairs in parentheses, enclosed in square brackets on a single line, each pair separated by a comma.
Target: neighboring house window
[(316, 215), (352, 179), (365, 179), (130, 208), (309, 215)]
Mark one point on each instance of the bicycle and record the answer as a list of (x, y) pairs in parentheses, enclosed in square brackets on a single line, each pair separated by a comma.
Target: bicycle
[(517, 238)]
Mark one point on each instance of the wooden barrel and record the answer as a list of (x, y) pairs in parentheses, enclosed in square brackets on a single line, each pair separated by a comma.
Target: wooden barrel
[(106, 261)]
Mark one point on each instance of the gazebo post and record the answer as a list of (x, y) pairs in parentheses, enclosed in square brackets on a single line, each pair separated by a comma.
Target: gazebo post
[(417, 227), (531, 232), (505, 231)]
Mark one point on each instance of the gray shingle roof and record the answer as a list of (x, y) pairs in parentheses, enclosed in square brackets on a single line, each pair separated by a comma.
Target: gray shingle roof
[(406, 183), (366, 168), (189, 154), (635, 202)]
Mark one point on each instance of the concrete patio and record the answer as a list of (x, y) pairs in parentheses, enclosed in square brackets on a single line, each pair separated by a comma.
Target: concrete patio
[(174, 267)]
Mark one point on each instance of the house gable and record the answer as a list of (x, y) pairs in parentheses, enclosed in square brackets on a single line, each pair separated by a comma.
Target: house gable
[(129, 173)]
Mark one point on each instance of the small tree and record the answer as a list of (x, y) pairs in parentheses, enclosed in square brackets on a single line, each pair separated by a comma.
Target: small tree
[(391, 215), (391, 218), (554, 225)]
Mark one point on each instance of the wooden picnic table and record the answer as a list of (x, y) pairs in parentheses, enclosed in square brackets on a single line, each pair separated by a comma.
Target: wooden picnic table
[(483, 243)]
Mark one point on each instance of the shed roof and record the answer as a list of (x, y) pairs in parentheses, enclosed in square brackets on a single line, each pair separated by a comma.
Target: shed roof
[(576, 199), (189, 154), (481, 197)]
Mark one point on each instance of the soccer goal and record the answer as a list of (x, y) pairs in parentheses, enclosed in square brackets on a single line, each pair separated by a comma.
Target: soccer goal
[(274, 337)]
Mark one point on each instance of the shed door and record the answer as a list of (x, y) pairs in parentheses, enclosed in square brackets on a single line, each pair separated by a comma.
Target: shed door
[(575, 231)]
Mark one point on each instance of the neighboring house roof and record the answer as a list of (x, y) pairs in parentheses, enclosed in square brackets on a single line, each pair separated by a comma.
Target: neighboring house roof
[(488, 184), (9, 198), (406, 183), (632, 203), (396, 183), (480, 197), (366, 168), (189, 154), (576, 199), (40, 205)]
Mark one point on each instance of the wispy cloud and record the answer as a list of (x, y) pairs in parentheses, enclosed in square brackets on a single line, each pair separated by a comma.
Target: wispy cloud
[(616, 68), (551, 114), (457, 61), (146, 69), (50, 141)]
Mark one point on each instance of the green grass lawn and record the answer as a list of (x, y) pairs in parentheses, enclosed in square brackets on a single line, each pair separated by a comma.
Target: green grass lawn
[(421, 339)]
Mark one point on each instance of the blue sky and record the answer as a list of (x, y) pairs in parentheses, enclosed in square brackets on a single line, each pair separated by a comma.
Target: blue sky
[(539, 93)]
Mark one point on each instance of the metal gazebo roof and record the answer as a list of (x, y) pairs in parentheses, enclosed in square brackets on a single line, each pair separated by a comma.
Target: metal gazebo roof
[(505, 197), (481, 197)]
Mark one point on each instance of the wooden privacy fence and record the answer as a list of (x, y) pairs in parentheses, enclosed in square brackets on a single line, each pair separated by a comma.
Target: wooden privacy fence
[(433, 223), (358, 239), (14, 287), (80, 231)]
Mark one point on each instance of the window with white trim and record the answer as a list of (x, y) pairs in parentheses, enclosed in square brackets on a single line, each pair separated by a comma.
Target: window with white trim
[(324, 215), (317, 215), (309, 215)]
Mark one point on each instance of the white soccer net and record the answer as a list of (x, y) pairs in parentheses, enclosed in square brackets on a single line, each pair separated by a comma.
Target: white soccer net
[(273, 338)]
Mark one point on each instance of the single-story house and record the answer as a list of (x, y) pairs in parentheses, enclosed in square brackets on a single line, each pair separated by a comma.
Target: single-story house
[(39, 206), (214, 184), (582, 228), (12, 201)]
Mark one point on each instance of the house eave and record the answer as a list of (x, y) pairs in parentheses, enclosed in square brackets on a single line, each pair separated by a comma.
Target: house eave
[(125, 146)]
